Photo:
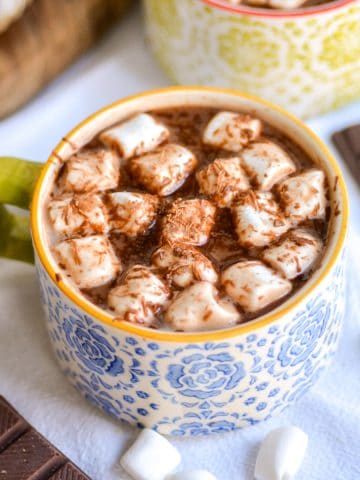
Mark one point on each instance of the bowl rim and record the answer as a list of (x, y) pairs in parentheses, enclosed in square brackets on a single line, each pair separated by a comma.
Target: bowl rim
[(189, 337), (248, 11)]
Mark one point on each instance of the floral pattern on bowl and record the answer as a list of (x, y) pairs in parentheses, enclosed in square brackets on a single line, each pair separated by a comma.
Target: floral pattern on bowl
[(195, 388)]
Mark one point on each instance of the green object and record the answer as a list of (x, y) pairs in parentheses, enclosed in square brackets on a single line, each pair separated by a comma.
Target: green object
[(17, 182)]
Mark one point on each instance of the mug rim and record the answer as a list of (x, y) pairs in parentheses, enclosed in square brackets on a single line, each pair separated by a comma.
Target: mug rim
[(191, 337), (272, 13)]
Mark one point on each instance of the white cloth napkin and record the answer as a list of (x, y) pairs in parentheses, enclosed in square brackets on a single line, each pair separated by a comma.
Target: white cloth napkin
[(29, 376)]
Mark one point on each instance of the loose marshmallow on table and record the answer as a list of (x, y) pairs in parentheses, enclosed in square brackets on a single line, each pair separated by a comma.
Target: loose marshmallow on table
[(91, 171), (254, 285), (132, 213), (303, 196), (165, 170), (183, 265), (281, 454), (78, 214), (231, 131), (295, 254), (199, 307), (90, 261), (150, 457), (266, 164), (140, 297), (189, 222), (258, 219), (141, 134), (223, 179), (192, 475)]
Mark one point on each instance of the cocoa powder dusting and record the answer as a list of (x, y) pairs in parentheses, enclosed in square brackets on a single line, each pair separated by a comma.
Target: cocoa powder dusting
[(186, 126)]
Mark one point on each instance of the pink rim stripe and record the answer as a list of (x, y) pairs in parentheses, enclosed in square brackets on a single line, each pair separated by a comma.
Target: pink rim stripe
[(259, 12)]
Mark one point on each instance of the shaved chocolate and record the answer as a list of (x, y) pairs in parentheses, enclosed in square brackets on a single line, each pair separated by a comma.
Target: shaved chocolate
[(348, 144), (218, 177), (27, 455)]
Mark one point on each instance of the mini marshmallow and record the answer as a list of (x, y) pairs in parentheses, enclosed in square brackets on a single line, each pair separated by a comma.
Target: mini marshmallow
[(266, 164), (140, 134), (140, 297), (286, 4), (199, 307), (78, 215), (150, 457), (222, 180), (90, 261), (304, 196), (281, 454), (183, 265), (295, 254), (91, 171), (189, 222), (258, 219), (231, 131), (132, 213), (281, 4), (192, 475), (253, 285), (165, 170)]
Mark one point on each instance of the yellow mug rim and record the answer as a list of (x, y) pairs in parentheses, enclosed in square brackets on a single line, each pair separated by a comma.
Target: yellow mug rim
[(181, 337)]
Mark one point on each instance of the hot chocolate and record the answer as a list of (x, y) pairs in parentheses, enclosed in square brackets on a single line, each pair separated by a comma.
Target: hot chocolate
[(189, 218)]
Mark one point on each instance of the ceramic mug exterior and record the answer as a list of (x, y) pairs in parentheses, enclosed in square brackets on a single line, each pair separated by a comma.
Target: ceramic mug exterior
[(198, 383), (307, 61)]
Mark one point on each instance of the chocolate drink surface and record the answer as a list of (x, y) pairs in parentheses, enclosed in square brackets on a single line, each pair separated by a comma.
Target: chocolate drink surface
[(189, 219)]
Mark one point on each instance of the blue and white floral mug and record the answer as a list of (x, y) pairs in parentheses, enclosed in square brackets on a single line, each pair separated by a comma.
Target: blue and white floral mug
[(184, 383)]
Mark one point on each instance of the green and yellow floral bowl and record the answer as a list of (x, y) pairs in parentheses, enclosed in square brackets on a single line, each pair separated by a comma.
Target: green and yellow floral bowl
[(306, 60)]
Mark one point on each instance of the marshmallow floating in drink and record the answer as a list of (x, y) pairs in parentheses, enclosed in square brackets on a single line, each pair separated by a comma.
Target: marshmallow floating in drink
[(136, 136), (266, 163), (78, 215), (276, 4), (140, 297), (189, 222), (253, 285), (303, 196), (258, 219), (223, 180), (91, 170), (231, 131), (183, 265), (89, 261), (200, 307), (165, 170), (295, 254), (132, 213)]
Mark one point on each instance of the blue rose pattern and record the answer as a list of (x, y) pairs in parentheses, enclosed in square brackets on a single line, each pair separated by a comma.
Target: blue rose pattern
[(205, 376), (108, 370), (91, 347), (305, 334)]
